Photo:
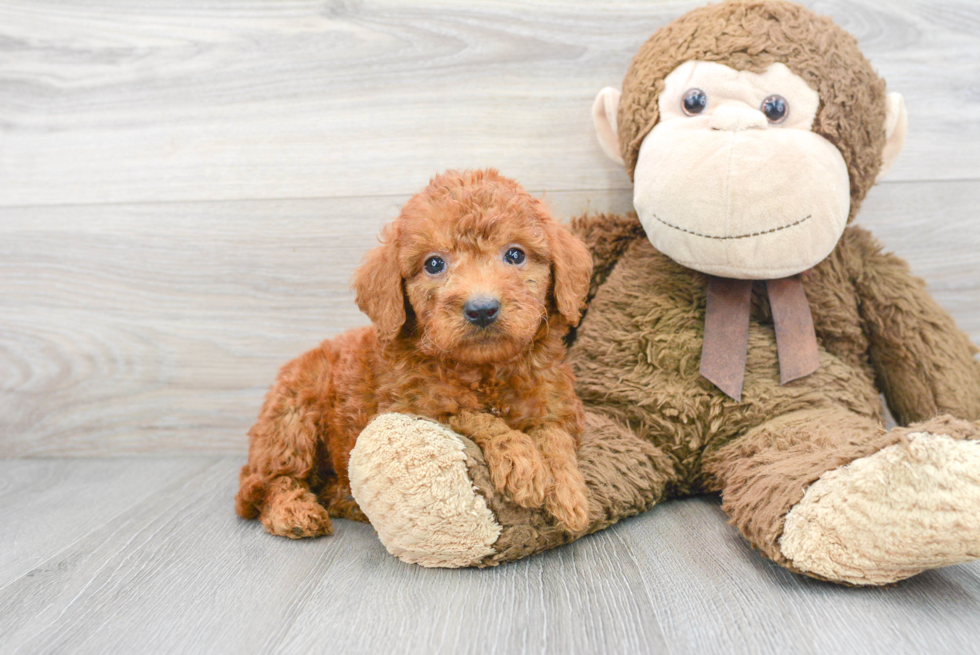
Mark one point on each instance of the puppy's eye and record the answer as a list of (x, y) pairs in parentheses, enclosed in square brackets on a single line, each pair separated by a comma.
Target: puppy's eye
[(775, 108), (514, 256), (435, 265), (695, 100)]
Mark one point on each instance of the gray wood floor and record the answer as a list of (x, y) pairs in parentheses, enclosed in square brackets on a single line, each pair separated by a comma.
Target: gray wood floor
[(185, 189), (186, 186), (144, 555)]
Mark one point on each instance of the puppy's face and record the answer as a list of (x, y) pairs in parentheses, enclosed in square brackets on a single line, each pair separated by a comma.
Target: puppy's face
[(482, 266), (478, 281)]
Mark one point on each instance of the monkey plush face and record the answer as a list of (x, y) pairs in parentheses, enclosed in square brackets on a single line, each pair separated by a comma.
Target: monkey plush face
[(750, 165), (732, 181)]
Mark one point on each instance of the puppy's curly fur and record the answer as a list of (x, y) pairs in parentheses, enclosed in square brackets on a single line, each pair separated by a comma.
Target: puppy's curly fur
[(468, 236)]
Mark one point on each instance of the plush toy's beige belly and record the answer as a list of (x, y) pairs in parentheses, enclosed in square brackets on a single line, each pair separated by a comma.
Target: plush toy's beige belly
[(637, 353)]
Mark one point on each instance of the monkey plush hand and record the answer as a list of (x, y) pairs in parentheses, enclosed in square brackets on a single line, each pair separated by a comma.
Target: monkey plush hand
[(739, 331)]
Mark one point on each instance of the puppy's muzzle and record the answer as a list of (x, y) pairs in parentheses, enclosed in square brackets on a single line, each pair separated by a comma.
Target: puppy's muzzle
[(481, 311)]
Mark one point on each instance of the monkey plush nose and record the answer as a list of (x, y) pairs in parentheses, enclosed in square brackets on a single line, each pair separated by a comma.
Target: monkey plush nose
[(481, 311), (735, 119)]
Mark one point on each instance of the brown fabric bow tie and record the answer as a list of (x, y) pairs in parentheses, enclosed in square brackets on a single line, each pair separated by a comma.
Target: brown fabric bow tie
[(726, 332)]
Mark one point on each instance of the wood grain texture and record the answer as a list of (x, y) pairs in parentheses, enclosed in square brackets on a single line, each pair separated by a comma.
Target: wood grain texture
[(111, 101), (186, 188), (156, 328), (178, 572), (46, 506)]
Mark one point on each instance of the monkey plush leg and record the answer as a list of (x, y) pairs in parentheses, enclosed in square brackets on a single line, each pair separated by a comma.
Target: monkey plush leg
[(429, 493), (833, 495)]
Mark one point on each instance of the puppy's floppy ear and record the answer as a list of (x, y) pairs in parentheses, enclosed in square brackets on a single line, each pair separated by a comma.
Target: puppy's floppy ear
[(571, 269), (378, 284)]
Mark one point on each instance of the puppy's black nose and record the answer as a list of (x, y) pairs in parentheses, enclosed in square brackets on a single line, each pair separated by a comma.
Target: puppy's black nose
[(481, 311)]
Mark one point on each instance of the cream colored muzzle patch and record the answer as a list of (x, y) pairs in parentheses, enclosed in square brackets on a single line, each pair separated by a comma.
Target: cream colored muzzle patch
[(885, 517), (750, 204), (408, 475), (728, 192)]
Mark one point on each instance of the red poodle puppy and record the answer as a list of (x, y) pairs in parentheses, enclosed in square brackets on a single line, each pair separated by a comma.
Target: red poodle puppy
[(471, 293)]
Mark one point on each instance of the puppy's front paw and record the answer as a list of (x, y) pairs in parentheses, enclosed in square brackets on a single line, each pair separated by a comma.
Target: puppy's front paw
[(517, 470), (296, 518), (568, 501)]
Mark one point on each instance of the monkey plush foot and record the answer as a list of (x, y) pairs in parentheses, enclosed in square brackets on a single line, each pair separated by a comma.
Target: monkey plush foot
[(409, 476), (911, 506)]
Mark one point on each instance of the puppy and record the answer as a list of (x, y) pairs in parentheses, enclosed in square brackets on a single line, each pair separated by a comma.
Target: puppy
[(471, 294)]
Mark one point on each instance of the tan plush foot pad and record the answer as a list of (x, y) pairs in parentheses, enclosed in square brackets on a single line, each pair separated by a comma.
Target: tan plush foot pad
[(882, 518), (409, 477)]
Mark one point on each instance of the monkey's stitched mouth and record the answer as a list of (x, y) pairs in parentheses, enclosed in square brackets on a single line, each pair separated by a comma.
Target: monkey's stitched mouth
[(738, 236)]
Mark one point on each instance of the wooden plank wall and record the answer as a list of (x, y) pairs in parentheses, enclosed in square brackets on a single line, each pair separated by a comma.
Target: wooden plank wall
[(186, 186)]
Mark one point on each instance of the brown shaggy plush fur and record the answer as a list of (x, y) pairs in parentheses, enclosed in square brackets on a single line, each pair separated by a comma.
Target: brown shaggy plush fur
[(504, 384), (654, 427)]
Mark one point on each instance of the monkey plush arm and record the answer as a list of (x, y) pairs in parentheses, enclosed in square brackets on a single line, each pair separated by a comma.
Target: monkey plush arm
[(606, 236), (924, 364)]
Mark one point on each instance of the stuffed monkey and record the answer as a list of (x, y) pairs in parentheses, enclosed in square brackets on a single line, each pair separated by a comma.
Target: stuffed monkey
[(739, 331)]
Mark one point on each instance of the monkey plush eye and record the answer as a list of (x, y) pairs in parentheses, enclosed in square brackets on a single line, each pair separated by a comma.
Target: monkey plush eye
[(514, 256), (775, 108), (435, 265), (695, 101)]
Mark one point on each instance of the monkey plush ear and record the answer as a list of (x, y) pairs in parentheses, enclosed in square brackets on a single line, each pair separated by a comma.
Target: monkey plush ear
[(604, 111), (571, 270), (896, 127), (378, 284)]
